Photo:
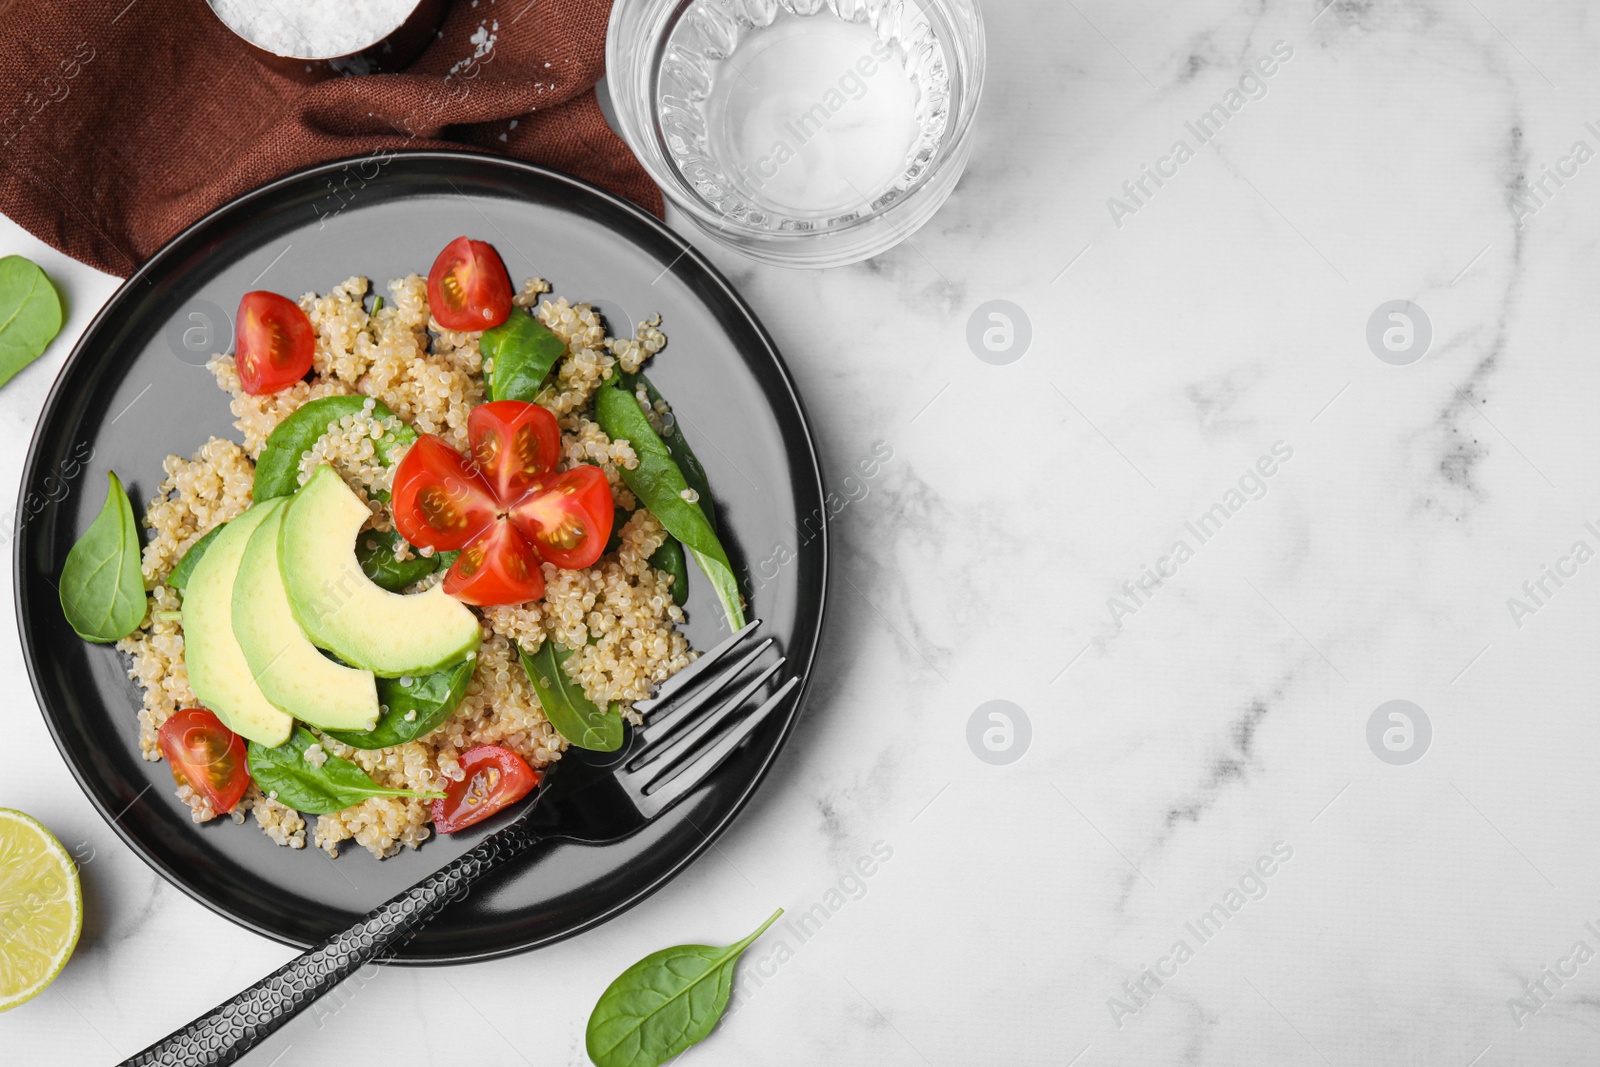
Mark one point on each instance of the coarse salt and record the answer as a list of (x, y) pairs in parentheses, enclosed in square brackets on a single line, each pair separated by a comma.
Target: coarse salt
[(313, 29)]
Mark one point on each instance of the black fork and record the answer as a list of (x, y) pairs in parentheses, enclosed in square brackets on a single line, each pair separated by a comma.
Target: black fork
[(690, 729)]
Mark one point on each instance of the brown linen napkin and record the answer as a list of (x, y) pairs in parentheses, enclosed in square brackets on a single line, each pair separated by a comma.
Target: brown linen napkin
[(123, 122)]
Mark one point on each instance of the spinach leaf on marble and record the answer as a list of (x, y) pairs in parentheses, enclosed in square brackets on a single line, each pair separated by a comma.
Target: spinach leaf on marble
[(665, 1003), (30, 314)]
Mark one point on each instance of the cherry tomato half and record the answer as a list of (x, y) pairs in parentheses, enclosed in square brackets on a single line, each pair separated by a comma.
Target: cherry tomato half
[(468, 287), (439, 501), (514, 444), (500, 567), (568, 518), (206, 756), (275, 342), (495, 778), (503, 510)]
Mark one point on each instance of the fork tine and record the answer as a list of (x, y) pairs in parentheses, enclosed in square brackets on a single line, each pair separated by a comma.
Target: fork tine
[(696, 772), (680, 747), (694, 670), (668, 721)]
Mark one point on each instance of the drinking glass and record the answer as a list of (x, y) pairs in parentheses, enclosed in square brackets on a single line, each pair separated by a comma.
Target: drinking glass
[(805, 133)]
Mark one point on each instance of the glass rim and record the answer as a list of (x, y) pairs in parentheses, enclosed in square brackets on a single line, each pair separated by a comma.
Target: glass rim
[(672, 183)]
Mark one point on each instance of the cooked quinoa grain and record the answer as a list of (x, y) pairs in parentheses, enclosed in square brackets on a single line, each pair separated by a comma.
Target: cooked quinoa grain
[(617, 617)]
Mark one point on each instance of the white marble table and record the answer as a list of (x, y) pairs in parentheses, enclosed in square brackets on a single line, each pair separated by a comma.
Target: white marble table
[(1186, 737)]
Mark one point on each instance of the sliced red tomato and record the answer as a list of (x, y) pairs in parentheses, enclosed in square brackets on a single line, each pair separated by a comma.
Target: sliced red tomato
[(496, 777), (275, 342), (514, 444), (468, 287), (439, 500), (503, 509), (568, 517), (500, 567), (206, 756)]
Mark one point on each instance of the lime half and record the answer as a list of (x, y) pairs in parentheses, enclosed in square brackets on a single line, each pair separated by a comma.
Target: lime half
[(41, 908)]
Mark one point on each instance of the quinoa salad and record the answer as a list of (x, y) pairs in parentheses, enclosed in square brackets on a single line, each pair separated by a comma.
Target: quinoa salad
[(526, 562)]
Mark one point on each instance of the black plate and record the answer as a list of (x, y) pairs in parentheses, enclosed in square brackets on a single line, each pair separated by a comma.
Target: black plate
[(135, 391)]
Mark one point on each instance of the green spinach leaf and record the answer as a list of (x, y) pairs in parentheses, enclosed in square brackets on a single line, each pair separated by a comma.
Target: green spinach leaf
[(523, 350), (180, 574), (375, 553), (574, 715), (284, 774), (415, 706), (665, 1003), (669, 558), (659, 483), (30, 314), (694, 472), (719, 572), (278, 468), (102, 588)]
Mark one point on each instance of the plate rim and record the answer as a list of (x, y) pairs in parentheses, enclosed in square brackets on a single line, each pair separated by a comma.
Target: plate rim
[(686, 250)]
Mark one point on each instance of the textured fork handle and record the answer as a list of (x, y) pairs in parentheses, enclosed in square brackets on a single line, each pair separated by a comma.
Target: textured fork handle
[(231, 1029)]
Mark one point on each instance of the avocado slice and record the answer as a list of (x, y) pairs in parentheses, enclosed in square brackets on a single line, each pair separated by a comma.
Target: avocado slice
[(342, 610), (288, 668), (218, 672)]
